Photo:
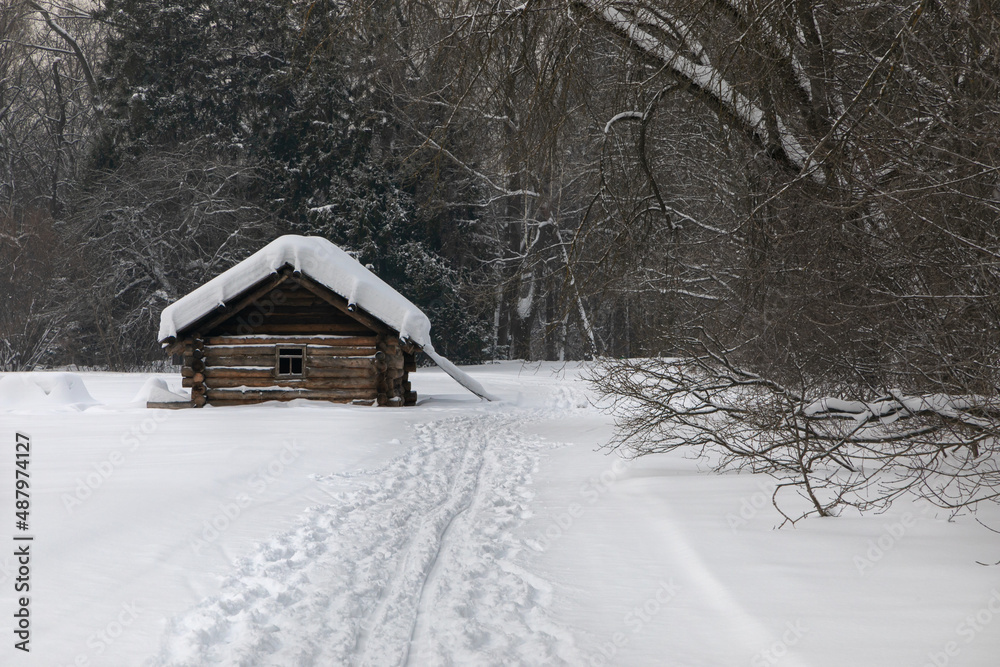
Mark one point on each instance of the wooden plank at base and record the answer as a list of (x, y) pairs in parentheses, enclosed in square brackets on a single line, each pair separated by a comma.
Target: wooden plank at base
[(308, 383), (278, 395), (173, 405), (222, 402)]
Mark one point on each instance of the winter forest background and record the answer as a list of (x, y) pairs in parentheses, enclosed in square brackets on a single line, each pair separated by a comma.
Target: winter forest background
[(811, 186), (800, 197)]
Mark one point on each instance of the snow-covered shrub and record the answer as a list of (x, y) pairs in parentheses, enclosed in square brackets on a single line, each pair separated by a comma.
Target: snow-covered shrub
[(833, 449)]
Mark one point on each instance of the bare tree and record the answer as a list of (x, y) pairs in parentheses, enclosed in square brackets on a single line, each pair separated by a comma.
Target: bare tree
[(859, 187), (147, 233), (46, 116), (832, 452), (850, 346)]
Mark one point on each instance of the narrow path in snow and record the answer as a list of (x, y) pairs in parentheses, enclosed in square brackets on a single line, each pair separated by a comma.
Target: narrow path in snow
[(423, 608), (392, 626), (413, 562)]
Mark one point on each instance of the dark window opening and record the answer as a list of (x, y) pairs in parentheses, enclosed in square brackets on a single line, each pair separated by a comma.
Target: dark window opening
[(290, 360)]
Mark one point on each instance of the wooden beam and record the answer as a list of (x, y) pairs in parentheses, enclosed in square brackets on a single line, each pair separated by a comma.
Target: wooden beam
[(174, 405), (322, 328), (320, 351), (227, 402), (304, 384), (237, 372), (226, 311), (340, 303), (277, 339), (312, 350), (327, 394), (173, 345), (339, 362)]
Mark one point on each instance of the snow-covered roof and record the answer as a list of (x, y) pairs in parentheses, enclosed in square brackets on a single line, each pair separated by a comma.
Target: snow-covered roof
[(317, 258), (328, 265)]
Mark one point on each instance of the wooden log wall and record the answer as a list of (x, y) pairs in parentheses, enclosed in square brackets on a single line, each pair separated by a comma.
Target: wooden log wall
[(243, 369)]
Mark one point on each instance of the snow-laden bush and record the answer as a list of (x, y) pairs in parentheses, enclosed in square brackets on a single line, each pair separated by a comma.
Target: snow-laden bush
[(834, 449)]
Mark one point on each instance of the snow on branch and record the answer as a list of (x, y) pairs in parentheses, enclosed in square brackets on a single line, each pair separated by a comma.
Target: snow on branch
[(73, 44), (898, 406), (624, 115), (708, 80), (742, 9), (673, 25), (834, 452)]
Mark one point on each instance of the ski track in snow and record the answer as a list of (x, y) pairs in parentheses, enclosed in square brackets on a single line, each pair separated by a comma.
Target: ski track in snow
[(410, 563)]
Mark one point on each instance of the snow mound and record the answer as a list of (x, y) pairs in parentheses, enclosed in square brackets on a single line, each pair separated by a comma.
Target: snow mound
[(318, 259), (567, 398), (44, 390), (155, 390)]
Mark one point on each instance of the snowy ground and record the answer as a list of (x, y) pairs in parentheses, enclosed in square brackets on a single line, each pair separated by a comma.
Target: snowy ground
[(455, 532)]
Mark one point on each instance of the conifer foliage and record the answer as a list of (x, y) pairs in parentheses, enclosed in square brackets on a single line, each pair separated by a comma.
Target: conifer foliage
[(266, 115)]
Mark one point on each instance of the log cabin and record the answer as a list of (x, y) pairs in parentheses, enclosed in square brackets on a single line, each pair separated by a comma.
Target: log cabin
[(300, 318)]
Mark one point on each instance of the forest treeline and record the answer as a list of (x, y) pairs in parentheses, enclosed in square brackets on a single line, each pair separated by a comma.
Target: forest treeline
[(806, 188)]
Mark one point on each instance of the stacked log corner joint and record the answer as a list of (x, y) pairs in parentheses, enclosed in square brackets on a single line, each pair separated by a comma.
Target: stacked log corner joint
[(199, 392), (393, 364)]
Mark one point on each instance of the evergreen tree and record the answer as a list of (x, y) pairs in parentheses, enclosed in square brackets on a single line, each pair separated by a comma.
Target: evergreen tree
[(286, 91)]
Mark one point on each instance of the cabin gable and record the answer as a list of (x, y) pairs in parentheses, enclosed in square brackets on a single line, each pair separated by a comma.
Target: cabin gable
[(295, 307)]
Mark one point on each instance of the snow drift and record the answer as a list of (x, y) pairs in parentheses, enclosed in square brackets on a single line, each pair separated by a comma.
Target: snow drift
[(44, 390), (155, 390)]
